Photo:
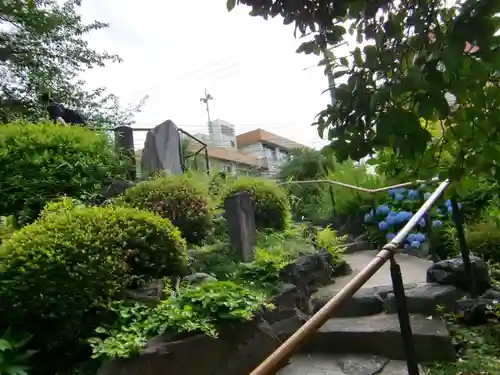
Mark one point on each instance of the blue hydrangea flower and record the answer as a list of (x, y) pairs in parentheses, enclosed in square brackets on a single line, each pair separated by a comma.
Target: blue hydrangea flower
[(398, 219), (392, 213), (427, 196), (407, 246), (411, 237), (413, 194), (421, 223), (382, 225), (383, 209), (395, 191), (368, 217), (420, 237), (391, 220), (437, 224), (404, 216), (415, 244), (390, 236), (439, 211), (399, 197), (448, 203)]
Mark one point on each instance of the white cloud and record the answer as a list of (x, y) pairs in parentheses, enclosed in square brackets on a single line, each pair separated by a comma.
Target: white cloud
[(173, 49)]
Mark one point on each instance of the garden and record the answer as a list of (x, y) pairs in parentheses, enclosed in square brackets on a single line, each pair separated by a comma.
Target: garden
[(89, 279), (92, 282)]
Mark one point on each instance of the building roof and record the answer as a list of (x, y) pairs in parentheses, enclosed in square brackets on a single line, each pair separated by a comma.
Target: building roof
[(228, 154), (260, 135)]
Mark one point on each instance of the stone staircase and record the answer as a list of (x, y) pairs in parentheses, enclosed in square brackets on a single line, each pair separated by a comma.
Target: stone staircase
[(364, 338)]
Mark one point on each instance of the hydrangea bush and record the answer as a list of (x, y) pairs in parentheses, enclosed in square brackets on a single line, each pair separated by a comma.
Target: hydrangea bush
[(397, 208)]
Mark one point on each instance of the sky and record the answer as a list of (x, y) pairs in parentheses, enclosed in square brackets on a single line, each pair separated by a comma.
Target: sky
[(174, 49)]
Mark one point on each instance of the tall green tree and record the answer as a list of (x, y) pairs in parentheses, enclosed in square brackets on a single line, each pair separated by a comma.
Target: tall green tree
[(413, 61), (307, 164), (42, 49)]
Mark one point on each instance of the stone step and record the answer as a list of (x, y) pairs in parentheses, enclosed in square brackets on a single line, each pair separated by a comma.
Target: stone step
[(380, 335), (421, 298), (328, 364)]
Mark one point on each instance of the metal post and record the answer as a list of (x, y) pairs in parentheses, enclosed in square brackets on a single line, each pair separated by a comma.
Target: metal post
[(464, 249), (207, 163), (403, 317)]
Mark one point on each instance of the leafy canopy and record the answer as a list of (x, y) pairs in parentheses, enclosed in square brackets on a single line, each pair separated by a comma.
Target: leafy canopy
[(412, 61), (43, 50)]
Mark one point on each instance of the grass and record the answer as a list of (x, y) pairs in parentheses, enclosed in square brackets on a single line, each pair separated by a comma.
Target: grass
[(479, 356)]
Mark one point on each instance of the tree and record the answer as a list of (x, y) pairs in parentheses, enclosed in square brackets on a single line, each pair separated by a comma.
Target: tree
[(413, 61), (42, 49), (307, 164)]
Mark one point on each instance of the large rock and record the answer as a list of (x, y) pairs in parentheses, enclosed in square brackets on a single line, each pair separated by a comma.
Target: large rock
[(198, 278), (162, 150), (150, 294), (115, 187), (237, 351), (452, 272), (425, 299), (310, 271), (286, 302), (286, 327), (381, 335)]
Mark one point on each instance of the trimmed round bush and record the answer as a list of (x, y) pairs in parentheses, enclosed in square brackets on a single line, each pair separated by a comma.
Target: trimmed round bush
[(39, 162), (272, 209), (179, 198), (58, 272)]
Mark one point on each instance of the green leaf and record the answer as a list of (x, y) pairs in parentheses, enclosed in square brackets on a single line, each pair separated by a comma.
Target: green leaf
[(307, 47), (344, 61), (5, 345), (357, 56), (230, 4), (371, 56)]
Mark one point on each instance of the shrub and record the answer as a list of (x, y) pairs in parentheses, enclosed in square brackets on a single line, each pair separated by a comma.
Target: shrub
[(60, 270), (327, 239), (483, 239), (39, 162), (272, 210), (176, 197)]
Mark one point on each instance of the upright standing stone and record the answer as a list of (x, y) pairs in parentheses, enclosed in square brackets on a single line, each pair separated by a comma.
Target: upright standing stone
[(241, 222), (124, 140), (162, 150)]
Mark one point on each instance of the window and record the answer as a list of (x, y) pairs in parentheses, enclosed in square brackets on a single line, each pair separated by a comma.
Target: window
[(269, 153)]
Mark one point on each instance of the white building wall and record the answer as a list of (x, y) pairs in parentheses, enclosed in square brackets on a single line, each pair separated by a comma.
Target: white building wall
[(224, 134)]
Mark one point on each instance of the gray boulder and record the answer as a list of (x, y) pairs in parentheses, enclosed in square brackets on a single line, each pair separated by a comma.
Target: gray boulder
[(452, 272), (237, 351), (199, 278), (310, 271)]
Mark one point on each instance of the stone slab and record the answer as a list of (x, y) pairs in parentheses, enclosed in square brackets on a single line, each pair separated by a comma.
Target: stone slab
[(381, 335), (328, 364), (413, 269)]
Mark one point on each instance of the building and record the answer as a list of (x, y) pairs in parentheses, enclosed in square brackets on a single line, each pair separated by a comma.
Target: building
[(262, 144), (227, 159), (256, 152)]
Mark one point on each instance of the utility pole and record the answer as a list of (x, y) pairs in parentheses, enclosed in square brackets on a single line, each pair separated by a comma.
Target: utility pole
[(205, 100)]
